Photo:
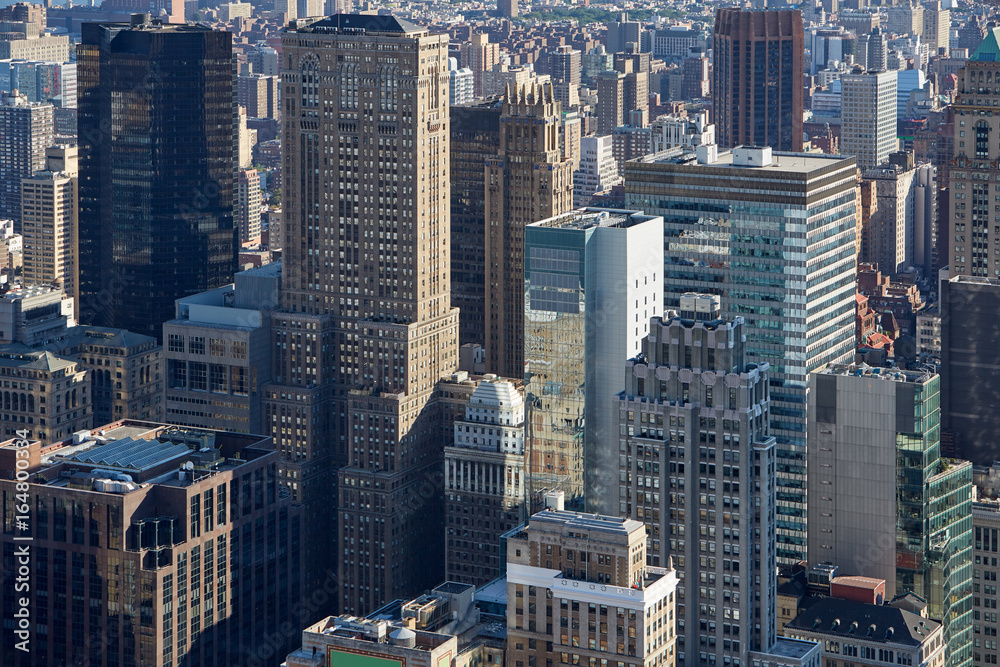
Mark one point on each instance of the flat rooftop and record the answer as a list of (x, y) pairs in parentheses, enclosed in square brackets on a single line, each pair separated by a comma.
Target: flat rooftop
[(152, 453), (376, 632), (579, 521), (791, 648), (790, 163), (28, 291), (495, 591), (590, 218), (878, 373), (133, 453), (452, 588)]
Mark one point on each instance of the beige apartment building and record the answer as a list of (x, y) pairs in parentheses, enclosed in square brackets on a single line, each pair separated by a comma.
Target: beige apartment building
[(579, 592), (530, 180), (43, 394), (49, 223)]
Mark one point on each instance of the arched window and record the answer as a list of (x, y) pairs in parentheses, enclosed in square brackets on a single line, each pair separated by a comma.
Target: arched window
[(310, 81)]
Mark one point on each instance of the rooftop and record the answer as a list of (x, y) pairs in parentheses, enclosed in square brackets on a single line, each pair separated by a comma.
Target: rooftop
[(151, 453), (495, 591), (592, 218), (28, 291), (269, 270), (452, 588), (876, 372), (989, 49), (791, 648), (377, 631), (598, 522), (90, 335), (786, 163), (867, 622), (860, 582), (128, 453), (35, 361), (361, 23)]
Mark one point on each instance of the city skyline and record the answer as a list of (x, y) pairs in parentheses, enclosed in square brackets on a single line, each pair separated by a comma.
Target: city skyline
[(452, 334)]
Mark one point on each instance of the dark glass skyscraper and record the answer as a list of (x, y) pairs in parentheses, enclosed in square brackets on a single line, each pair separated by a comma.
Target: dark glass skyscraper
[(157, 118), (758, 78)]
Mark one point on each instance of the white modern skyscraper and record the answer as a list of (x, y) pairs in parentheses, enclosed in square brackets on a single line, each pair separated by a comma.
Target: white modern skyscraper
[(868, 117), (593, 278)]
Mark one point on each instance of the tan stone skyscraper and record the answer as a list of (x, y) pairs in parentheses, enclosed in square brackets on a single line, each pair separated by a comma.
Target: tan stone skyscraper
[(529, 181), (49, 222), (366, 327)]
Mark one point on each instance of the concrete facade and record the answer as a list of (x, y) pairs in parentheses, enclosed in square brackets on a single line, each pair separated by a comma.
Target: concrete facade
[(876, 472)]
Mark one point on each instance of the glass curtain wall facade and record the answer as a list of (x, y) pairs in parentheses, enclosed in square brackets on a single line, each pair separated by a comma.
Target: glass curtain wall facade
[(758, 73), (593, 281), (555, 334), (778, 243), (157, 144), (934, 524)]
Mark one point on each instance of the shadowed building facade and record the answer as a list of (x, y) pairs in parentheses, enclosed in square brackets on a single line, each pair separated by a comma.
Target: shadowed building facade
[(475, 137), (970, 364), (365, 329), (528, 181)]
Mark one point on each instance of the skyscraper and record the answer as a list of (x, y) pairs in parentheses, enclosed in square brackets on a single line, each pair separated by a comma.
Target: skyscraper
[(970, 297), (883, 503), (593, 279), (530, 180), (868, 117), (565, 64), (876, 50), (475, 137), (158, 149), (757, 90), (366, 327), (49, 209), (248, 187), (610, 101), (937, 27), (889, 234), (507, 8), (716, 241), (635, 87), (479, 55), (27, 132), (698, 468)]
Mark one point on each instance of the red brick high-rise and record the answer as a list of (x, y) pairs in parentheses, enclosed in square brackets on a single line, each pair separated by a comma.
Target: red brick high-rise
[(757, 91)]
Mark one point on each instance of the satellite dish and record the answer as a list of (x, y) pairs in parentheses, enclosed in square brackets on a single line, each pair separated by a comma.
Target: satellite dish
[(189, 465)]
